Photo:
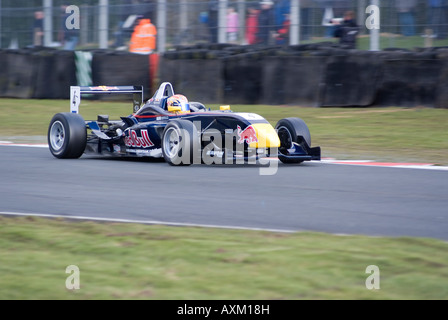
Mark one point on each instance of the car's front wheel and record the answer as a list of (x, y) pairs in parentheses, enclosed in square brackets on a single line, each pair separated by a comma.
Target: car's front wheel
[(289, 130), (181, 143), (67, 136)]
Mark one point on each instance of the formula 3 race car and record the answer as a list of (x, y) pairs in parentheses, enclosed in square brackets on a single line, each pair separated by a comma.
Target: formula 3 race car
[(181, 132)]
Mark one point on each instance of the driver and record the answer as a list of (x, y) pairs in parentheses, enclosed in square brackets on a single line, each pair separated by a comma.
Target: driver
[(178, 104)]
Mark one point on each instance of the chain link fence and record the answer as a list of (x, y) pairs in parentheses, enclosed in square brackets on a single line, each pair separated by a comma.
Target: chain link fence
[(109, 24)]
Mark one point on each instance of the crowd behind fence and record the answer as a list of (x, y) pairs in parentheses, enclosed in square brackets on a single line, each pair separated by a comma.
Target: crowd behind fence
[(109, 24)]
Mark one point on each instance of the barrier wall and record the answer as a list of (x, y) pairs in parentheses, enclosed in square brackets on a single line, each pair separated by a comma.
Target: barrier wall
[(43, 73), (198, 79), (322, 75), (18, 74), (118, 68), (319, 75)]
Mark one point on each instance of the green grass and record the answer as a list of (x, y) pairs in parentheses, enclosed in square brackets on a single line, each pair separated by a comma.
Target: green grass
[(131, 261), (382, 134)]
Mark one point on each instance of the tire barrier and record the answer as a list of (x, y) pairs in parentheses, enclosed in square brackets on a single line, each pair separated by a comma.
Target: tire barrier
[(120, 68), (198, 79), (320, 74), (36, 73), (18, 74), (293, 79), (410, 82), (243, 79), (349, 80), (55, 72)]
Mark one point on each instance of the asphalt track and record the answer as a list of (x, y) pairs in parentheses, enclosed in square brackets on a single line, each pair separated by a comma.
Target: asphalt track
[(313, 196)]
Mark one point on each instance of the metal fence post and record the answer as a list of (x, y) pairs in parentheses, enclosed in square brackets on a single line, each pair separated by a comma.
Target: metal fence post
[(222, 21), (242, 21), (48, 22), (103, 23), (183, 16), (85, 24), (375, 32), (161, 25), (294, 37)]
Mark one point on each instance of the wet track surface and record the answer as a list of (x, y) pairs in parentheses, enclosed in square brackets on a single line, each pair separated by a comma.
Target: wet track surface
[(312, 196)]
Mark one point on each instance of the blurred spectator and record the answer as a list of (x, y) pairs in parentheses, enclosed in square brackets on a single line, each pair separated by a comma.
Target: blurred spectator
[(266, 23), (232, 25), (327, 22), (281, 9), (202, 32), (347, 30), (437, 18), (252, 24), (282, 35), (405, 9), (38, 28), (143, 39), (67, 36), (126, 7)]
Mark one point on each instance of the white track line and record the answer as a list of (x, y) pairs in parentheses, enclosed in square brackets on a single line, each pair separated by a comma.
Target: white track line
[(370, 163), (150, 222), (28, 145)]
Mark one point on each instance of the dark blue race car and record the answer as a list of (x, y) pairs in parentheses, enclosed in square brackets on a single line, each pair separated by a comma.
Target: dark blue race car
[(181, 132)]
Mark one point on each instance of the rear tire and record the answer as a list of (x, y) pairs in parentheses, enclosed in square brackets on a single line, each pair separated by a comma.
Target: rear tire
[(67, 136), (288, 130), (181, 143)]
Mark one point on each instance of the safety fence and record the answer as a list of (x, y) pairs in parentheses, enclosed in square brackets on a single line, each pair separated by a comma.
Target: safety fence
[(403, 23), (320, 75)]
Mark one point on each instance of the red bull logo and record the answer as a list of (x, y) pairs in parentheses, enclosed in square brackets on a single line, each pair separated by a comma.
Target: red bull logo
[(132, 140), (249, 135)]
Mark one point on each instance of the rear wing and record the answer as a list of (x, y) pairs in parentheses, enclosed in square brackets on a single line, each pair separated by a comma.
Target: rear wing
[(77, 92)]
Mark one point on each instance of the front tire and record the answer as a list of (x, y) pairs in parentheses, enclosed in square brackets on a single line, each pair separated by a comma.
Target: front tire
[(289, 130), (181, 143), (67, 136)]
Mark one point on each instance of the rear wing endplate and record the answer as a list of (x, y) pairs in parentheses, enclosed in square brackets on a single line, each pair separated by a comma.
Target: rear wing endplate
[(77, 92)]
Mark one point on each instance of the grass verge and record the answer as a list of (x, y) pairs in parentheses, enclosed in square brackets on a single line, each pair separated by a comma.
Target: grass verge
[(131, 261)]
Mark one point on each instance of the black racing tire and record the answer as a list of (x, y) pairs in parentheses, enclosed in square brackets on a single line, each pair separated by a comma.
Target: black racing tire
[(288, 130), (181, 143), (67, 135)]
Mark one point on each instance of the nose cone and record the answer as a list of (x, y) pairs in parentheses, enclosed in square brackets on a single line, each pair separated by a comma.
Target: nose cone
[(266, 135)]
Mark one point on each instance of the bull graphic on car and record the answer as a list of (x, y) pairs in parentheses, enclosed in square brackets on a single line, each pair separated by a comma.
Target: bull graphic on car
[(249, 135)]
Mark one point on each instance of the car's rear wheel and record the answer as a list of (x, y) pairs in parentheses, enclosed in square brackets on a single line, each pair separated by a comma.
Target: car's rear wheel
[(181, 143), (289, 130), (67, 136)]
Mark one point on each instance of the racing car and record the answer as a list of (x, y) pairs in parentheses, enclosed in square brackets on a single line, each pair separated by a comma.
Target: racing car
[(183, 133)]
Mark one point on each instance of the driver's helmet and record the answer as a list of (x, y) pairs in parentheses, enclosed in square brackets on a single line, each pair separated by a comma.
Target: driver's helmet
[(178, 103)]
